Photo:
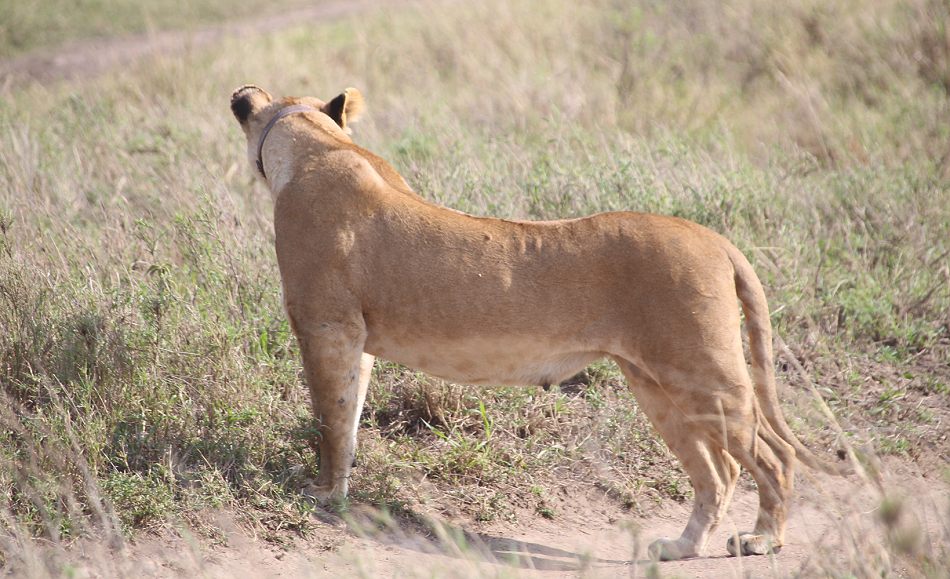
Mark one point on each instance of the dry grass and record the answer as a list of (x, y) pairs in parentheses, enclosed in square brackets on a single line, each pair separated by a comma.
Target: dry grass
[(147, 370), (28, 26)]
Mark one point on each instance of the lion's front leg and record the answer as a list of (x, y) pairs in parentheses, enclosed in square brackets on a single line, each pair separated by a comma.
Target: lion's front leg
[(332, 352), (366, 372)]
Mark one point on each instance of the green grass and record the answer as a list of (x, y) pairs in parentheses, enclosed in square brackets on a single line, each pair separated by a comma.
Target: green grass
[(147, 369)]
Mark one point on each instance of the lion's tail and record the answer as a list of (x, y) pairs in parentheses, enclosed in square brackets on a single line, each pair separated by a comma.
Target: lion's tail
[(759, 326)]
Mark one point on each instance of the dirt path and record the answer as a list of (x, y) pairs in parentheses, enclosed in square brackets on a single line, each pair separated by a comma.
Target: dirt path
[(593, 539), (89, 58)]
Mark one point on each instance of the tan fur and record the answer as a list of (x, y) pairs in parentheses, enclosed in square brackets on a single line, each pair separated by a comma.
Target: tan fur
[(371, 269)]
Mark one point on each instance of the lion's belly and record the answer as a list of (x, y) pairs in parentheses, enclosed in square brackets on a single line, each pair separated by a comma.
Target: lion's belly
[(484, 360)]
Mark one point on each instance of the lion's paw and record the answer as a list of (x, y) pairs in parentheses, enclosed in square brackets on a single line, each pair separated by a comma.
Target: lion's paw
[(324, 494), (319, 493), (752, 544), (670, 550)]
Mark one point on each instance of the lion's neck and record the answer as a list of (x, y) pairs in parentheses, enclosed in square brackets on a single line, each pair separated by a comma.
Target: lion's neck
[(279, 175), (279, 159)]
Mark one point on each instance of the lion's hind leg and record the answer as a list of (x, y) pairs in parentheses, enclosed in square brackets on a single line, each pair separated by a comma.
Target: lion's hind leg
[(771, 462), (698, 443)]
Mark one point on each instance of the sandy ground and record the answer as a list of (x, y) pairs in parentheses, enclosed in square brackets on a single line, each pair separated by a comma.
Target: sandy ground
[(833, 521)]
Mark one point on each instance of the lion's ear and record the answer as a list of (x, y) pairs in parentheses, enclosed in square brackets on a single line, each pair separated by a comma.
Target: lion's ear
[(248, 100), (345, 108)]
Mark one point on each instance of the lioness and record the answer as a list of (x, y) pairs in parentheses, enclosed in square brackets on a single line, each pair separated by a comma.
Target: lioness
[(369, 268)]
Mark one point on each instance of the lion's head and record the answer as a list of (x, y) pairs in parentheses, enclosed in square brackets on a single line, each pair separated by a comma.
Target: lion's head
[(255, 108)]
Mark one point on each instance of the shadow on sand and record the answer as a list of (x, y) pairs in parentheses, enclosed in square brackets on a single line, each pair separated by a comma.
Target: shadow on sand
[(437, 537)]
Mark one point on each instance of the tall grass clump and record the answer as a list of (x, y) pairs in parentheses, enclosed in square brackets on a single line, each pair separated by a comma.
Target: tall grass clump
[(149, 376)]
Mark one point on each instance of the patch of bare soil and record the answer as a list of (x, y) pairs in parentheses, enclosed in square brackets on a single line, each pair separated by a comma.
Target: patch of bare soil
[(831, 523), (89, 58)]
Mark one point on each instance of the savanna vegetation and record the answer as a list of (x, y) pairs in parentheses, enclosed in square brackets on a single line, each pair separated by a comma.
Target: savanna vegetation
[(148, 372), (50, 24)]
